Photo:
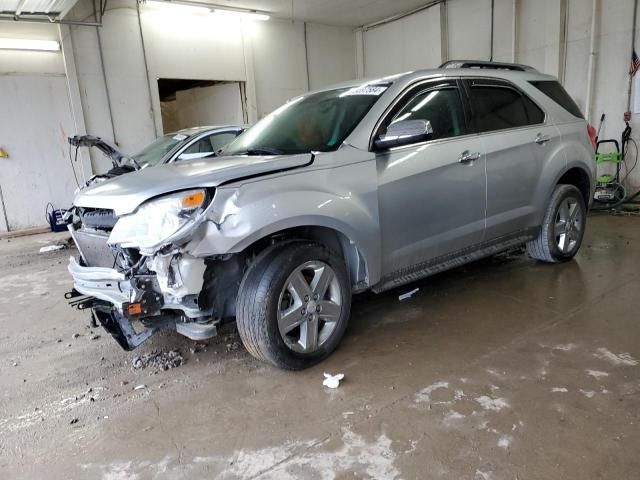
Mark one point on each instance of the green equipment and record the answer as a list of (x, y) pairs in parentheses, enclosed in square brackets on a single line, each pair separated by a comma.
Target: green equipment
[(608, 187)]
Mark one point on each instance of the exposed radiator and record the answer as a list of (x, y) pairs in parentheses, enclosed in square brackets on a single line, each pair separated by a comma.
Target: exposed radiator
[(93, 248)]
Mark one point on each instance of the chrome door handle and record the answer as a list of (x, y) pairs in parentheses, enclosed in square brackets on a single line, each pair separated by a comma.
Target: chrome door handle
[(542, 139), (468, 157)]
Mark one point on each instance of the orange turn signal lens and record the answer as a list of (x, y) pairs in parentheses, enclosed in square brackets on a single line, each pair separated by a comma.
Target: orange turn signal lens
[(193, 200), (134, 309)]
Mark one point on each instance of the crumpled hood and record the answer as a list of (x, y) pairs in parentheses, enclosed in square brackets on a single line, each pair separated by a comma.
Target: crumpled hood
[(125, 193)]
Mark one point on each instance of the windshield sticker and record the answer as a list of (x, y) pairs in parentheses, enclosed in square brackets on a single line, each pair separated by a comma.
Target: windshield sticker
[(179, 137), (365, 90)]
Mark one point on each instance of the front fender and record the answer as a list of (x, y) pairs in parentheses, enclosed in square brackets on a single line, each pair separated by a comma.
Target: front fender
[(343, 199)]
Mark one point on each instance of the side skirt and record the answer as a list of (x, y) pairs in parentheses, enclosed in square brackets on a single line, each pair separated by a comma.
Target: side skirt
[(453, 260)]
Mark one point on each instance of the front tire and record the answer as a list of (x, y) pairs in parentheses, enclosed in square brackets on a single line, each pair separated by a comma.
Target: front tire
[(293, 304), (563, 227)]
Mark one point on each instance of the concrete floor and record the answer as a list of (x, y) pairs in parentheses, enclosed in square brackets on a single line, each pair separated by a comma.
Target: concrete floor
[(504, 369)]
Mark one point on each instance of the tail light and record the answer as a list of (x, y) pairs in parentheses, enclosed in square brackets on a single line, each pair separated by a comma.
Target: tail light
[(591, 131)]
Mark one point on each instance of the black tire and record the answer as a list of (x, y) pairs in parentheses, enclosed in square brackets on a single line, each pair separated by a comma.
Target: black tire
[(259, 300), (545, 247)]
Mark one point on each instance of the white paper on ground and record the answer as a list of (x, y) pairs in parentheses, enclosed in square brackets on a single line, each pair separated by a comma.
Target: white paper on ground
[(332, 381), (51, 248), (410, 294)]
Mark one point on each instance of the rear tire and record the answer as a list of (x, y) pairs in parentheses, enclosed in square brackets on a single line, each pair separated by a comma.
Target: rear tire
[(293, 304), (562, 228)]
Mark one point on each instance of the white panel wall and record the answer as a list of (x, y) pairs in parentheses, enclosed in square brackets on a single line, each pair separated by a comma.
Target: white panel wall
[(332, 54), (279, 63), (35, 120), (503, 30), (214, 105), (12, 61), (578, 31), (408, 44), (471, 37), (192, 46)]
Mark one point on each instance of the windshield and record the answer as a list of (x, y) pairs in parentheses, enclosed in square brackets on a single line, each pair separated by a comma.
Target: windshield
[(318, 122), (153, 153)]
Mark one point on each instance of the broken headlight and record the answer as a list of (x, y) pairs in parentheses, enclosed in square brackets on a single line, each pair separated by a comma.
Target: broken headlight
[(160, 220)]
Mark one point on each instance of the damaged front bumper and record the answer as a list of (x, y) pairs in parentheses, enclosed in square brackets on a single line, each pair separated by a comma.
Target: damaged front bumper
[(133, 308)]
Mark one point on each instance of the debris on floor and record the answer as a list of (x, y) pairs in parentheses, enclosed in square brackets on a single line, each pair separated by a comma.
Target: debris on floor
[(410, 294), (140, 387), (51, 248), (199, 347), (232, 341), (158, 360), (332, 381)]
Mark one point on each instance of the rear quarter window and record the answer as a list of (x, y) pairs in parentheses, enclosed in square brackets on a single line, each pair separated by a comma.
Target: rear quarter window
[(558, 94)]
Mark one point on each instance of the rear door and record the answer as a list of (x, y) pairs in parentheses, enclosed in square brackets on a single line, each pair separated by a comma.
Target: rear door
[(431, 201), (516, 139)]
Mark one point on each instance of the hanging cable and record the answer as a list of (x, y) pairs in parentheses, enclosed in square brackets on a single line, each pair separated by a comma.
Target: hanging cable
[(73, 169)]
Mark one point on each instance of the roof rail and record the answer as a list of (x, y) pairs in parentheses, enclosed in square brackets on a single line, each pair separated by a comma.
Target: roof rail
[(490, 65)]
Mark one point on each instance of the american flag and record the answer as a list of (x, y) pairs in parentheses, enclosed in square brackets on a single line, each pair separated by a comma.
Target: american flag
[(635, 64)]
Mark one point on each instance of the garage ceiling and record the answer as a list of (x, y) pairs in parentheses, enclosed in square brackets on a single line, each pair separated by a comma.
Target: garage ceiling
[(352, 13), (48, 8)]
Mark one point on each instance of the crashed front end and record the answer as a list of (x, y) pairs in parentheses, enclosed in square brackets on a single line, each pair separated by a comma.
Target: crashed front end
[(135, 273)]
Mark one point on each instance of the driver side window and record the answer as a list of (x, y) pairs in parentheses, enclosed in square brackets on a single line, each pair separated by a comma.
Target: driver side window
[(441, 107)]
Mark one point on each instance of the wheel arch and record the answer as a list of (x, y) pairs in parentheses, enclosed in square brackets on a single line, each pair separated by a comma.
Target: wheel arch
[(579, 178), (338, 241)]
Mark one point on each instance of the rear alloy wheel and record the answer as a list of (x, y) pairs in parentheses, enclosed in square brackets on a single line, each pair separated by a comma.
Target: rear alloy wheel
[(293, 304), (567, 229), (563, 227)]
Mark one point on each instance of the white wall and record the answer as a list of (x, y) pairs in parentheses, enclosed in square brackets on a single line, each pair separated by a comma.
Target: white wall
[(470, 37), (215, 105), (279, 62), (408, 44), (35, 121), (331, 53)]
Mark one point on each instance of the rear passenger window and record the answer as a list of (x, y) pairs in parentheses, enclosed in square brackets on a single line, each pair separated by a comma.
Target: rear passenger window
[(499, 108), (558, 94)]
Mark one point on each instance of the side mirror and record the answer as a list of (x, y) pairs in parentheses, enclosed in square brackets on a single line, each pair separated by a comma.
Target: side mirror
[(405, 132)]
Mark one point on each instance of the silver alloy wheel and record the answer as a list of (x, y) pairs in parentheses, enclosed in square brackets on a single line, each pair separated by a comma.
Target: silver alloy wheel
[(309, 307), (568, 225)]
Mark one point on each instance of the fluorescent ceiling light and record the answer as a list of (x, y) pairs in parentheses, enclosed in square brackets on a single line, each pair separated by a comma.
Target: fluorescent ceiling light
[(248, 15), (174, 6), (24, 44)]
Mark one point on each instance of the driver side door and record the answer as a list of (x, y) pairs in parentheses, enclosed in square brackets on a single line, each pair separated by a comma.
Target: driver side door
[(432, 194)]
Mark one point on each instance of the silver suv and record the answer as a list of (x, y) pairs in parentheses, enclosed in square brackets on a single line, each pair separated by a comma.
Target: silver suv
[(367, 185)]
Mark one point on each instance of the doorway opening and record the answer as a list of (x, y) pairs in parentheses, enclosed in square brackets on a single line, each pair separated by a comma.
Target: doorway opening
[(195, 103)]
